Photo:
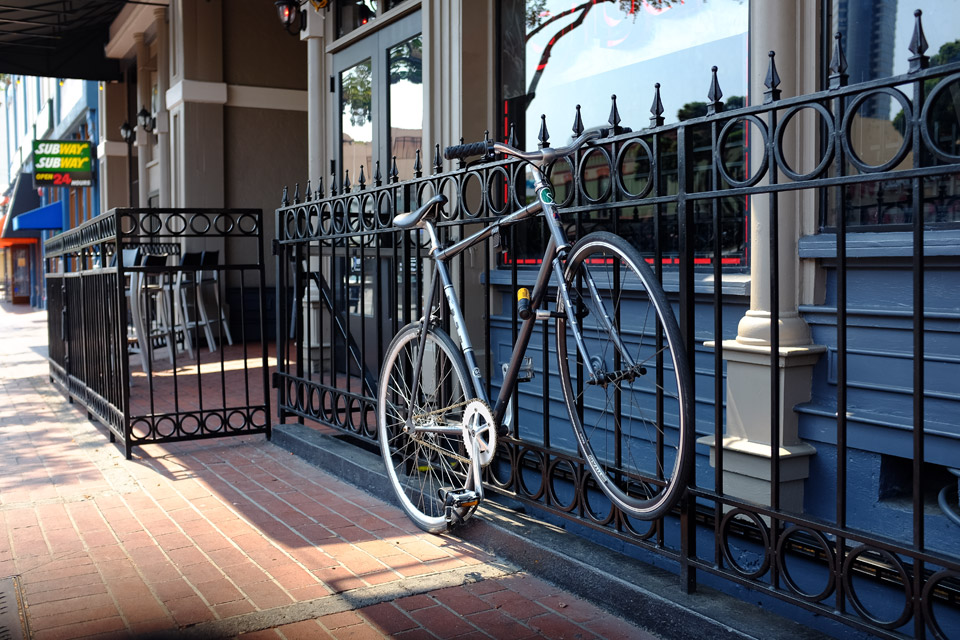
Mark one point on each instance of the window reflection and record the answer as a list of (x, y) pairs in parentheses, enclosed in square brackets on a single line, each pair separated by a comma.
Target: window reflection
[(406, 102), (353, 14), (556, 54), (356, 124), (876, 37)]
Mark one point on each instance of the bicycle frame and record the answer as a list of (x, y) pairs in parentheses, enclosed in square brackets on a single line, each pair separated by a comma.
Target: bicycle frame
[(553, 263)]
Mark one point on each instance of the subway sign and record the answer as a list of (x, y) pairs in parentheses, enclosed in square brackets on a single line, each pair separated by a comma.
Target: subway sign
[(62, 163)]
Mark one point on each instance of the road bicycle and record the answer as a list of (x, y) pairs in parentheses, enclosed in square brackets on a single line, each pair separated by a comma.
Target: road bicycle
[(622, 366)]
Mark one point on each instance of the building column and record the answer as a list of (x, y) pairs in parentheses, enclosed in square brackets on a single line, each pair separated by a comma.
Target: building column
[(143, 100), (316, 96), (163, 116), (747, 444)]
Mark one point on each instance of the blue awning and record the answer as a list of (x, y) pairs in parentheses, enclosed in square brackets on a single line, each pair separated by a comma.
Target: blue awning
[(41, 218)]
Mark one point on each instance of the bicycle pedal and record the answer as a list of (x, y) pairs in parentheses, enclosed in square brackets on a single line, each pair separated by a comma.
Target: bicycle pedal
[(461, 499)]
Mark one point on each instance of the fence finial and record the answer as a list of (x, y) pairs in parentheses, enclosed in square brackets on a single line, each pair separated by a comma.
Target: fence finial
[(577, 123), (319, 187), (461, 163), (437, 160), (544, 135), (394, 172), (714, 94), (333, 179), (346, 181), (307, 193), (838, 64), (656, 108), (512, 137), (361, 181), (283, 199), (296, 193), (417, 166), (377, 176), (918, 45), (614, 118), (772, 81)]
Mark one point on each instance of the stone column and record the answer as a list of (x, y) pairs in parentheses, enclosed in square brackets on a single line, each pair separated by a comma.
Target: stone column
[(791, 33), (163, 116), (143, 100), (316, 96)]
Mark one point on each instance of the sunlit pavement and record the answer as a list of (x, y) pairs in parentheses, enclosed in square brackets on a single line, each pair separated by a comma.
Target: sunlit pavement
[(230, 537)]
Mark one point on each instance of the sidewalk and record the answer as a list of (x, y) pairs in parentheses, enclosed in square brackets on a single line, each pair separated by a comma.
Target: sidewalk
[(231, 537)]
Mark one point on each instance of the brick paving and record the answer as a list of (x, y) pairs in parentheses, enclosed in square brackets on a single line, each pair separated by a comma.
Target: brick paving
[(230, 538)]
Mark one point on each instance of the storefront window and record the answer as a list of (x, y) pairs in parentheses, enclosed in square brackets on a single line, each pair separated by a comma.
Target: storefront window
[(556, 54), (876, 36), (356, 122), (406, 102)]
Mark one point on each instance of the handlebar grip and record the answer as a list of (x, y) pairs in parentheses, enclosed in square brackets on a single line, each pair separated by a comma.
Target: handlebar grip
[(459, 151)]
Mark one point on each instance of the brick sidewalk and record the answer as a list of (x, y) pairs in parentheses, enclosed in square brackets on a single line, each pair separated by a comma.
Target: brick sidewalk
[(232, 537)]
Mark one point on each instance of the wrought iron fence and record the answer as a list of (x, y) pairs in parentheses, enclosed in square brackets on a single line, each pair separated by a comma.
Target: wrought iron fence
[(867, 546), (157, 322)]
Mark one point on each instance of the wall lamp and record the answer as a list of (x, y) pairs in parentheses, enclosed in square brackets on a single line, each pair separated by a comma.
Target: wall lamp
[(290, 12), (126, 132), (146, 121)]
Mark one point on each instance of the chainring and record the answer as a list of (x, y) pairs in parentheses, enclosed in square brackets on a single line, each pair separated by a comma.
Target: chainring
[(478, 419)]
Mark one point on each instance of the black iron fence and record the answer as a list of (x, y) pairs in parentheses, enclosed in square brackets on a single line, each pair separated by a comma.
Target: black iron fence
[(157, 322), (868, 533)]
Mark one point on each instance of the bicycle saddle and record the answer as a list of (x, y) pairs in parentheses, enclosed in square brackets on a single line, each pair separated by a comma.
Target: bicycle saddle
[(430, 208)]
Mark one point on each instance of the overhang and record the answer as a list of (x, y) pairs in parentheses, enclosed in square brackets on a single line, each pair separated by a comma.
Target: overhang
[(24, 198), (58, 38), (42, 218)]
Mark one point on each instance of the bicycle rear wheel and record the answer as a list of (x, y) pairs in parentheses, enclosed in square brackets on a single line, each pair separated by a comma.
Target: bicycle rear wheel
[(631, 422), (425, 468)]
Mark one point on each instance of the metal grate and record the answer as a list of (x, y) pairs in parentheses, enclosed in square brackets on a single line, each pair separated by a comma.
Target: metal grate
[(13, 619)]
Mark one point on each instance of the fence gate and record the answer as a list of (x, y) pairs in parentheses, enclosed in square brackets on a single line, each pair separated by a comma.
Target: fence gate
[(157, 323)]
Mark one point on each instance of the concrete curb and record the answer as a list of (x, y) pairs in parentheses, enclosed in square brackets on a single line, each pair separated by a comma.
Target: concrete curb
[(648, 597)]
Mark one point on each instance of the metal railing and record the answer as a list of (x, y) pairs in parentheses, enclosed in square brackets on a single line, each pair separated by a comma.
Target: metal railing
[(157, 323), (348, 280)]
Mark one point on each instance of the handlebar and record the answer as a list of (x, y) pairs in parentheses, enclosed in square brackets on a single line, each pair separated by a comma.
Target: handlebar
[(541, 157)]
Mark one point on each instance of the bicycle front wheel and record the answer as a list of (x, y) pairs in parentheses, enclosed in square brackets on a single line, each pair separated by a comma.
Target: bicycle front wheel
[(426, 457), (631, 419)]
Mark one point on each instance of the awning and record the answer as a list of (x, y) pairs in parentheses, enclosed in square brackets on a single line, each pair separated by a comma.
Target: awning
[(58, 38), (24, 198), (41, 218)]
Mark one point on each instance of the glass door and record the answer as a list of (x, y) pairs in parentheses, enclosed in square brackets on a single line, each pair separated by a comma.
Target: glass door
[(378, 96)]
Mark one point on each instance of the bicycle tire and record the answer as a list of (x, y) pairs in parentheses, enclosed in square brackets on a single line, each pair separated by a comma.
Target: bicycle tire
[(423, 468), (637, 459)]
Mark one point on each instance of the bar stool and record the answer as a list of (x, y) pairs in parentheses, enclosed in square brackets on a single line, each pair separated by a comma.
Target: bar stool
[(210, 275)]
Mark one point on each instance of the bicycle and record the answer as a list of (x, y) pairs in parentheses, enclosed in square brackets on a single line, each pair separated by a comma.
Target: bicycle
[(437, 429)]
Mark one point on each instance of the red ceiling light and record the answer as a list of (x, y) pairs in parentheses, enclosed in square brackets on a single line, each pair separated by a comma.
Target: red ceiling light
[(289, 12)]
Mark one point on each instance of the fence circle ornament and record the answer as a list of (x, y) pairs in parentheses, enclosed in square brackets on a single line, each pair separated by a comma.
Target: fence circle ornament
[(589, 489), (312, 215), (761, 527), (469, 190), (248, 224), (490, 192), (778, 137), (785, 571), (563, 191), (213, 422), (948, 83), (368, 212), (629, 153), (258, 418), (855, 600), (603, 183), (384, 209), (506, 458), (176, 224), (927, 601), (847, 129), (562, 470), (326, 219), (725, 132), (189, 424), (536, 473), (151, 224), (200, 223), (223, 223)]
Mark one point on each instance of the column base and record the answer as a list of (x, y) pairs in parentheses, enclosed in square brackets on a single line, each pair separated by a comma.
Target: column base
[(746, 470)]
